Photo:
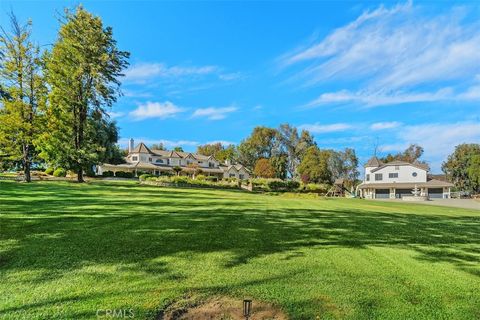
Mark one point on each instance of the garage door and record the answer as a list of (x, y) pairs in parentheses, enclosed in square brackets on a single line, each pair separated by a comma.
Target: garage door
[(435, 193), (403, 192), (382, 193)]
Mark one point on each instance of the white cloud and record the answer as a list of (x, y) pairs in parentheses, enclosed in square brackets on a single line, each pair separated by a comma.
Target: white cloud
[(167, 143), (160, 110), (213, 113), (231, 76), (222, 142), (398, 55), (326, 128), (385, 125), (113, 114), (438, 140), (374, 99), (144, 71)]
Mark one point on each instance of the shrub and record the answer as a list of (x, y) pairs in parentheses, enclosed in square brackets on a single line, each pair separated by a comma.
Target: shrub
[(276, 185), (145, 176), (179, 179), (211, 178), (89, 172), (292, 185), (49, 171), (200, 177), (315, 187), (107, 174), (123, 174), (60, 172)]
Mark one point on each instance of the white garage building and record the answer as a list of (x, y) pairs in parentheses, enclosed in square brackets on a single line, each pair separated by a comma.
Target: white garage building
[(396, 179)]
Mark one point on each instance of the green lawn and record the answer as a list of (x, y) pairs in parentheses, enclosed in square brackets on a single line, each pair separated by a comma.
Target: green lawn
[(68, 249)]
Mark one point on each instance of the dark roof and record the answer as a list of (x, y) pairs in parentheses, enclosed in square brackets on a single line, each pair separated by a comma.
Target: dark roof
[(373, 162)]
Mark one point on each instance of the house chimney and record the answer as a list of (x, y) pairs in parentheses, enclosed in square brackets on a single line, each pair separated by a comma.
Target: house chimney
[(131, 145)]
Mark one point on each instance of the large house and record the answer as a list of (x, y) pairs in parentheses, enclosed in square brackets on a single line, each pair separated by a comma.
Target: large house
[(143, 159), (398, 179)]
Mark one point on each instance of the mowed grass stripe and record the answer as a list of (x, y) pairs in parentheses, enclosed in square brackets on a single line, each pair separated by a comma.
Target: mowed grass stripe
[(69, 249)]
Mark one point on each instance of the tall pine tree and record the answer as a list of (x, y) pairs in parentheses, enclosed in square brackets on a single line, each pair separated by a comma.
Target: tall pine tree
[(23, 92), (83, 73)]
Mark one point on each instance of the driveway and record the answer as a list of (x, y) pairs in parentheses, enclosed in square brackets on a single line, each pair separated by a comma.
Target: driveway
[(458, 203), (455, 203)]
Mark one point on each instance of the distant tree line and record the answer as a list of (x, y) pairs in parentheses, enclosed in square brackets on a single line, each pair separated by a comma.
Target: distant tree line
[(54, 102), (284, 152)]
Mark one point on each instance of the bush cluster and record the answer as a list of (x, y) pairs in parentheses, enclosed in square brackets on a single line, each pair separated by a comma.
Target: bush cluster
[(280, 185), (198, 182), (107, 174), (49, 170), (262, 184), (123, 174), (60, 172)]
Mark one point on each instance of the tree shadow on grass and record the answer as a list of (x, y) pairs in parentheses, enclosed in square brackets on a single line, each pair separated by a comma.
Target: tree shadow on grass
[(61, 229)]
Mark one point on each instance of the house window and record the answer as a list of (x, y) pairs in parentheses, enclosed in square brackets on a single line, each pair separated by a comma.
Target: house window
[(150, 160), (393, 175), (397, 167), (134, 158), (368, 177), (232, 175), (159, 161), (414, 174), (241, 176), (211, 164), (378, 176)]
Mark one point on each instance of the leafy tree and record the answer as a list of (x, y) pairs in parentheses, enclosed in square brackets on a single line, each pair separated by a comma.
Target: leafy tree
[(210, 149), (314, 166), (158, 146), (413, 153), (350, 161), (195, 168), (287, 141), (178, 149), (23, 92), (474, 172), (105, 134), (259, 145), (292, 145), (279, 165), (460, 166), (83, 72), (177, 170), (264, 169), (227, 153), (219, 151)]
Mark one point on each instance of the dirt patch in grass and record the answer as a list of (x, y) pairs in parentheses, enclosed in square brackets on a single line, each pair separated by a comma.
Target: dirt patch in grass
[(220, 308)]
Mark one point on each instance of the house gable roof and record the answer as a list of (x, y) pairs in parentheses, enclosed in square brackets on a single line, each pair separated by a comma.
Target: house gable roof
[(141, 148), (417, 165), (373, 162)]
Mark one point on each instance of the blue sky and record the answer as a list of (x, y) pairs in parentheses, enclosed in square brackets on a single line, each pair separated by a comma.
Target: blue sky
[(355, 74)]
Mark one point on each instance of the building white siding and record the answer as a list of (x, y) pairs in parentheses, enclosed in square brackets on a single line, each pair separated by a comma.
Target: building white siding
[(401, 173)]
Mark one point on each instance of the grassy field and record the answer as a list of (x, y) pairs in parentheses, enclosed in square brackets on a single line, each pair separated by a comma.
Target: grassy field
[(67, 250)]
